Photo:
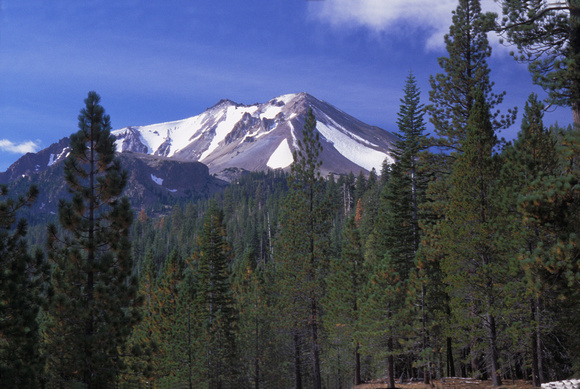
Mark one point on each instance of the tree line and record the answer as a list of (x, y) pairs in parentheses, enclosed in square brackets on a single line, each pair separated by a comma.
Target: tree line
[(460, 259)]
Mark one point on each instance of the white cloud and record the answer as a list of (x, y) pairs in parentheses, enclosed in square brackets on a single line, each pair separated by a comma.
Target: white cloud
[(384, 16), (18, 148)]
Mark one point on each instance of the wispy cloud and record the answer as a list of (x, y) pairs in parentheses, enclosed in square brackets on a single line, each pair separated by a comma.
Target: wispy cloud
[(382, 16), (18, 148)]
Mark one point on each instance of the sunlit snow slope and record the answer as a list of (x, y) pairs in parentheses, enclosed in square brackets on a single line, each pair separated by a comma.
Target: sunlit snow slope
[(262, 136)]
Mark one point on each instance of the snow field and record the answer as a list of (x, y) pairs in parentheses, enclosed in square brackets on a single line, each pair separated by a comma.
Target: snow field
[(281, 157), (352, 150)]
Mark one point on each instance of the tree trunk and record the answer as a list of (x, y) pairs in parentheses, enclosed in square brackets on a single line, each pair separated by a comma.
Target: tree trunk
[(297, 368), (427, 368), (315, 350), (493, 354), (536, 382), (539, 341), (450, 361), (357, 379), (391, 363)]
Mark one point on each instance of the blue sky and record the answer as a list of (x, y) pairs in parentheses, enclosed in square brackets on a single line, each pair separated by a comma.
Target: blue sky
[(161, 60)]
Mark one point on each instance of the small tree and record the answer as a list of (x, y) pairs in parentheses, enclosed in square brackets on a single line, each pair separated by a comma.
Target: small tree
[(93, 309)]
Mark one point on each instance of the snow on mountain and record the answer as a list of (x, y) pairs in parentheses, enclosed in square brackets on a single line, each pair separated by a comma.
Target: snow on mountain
[(281, 157), (261, 136)]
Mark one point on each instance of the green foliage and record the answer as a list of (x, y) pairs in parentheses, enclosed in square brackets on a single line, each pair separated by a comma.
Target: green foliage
[(22, 293), (214, 300), (93, 309), (547, 36), (465, 72), (301, 252), (341, 305)]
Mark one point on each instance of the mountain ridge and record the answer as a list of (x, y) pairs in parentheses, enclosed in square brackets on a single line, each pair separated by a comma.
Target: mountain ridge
[(230, 135), (262, 136)]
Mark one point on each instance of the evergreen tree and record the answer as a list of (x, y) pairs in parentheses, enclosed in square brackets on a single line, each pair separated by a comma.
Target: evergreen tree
[(145, 343), (214, 300), (452, 96), (551, 204), (396, 229), (547, 35), (465, 71), (533, 154), (22, 293), (303, 245), (341, 302), (94, 305), (255, 336), (472, 267)]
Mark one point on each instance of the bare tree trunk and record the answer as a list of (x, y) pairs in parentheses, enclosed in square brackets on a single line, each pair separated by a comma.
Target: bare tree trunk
[(450, 361), (357, 378), (391, 363), (297, 368), (493, 354), (536, 382), (315, 349), (539, 341)]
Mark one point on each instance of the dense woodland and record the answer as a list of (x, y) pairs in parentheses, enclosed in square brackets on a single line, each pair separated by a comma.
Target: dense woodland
[(460, 259)]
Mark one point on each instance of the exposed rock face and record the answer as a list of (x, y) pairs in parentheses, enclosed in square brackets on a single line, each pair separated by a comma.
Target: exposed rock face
[(228, 139), (152, 180), (32, 163), (262, 136)]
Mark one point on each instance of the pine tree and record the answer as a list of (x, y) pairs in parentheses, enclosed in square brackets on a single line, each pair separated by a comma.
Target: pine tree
[(215, 300), (473, 269), (341, 302), (547, 35), (452, 98), (94, 305), (22, 293), (303, 245), (465, 71), (255, 336), (533, 154)]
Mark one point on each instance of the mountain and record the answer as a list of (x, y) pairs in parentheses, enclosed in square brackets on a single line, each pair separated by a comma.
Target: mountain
[(262, 136), (187, 158), (153, 181)]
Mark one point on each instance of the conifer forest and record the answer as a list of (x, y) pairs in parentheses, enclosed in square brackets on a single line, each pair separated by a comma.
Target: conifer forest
[(461, 259)]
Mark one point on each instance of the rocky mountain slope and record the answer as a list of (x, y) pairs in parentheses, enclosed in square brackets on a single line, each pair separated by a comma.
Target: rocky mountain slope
[(184, 158), (262, 136)]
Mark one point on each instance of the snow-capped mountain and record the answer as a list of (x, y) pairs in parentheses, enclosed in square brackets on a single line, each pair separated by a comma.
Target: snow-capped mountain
[(261, 136)]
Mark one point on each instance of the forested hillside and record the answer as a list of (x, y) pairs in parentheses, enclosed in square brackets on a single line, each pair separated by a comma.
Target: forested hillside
[(461, 258)]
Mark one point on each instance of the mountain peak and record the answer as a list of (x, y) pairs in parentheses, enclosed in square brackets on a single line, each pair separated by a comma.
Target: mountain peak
[(263, 136), (253, 137)]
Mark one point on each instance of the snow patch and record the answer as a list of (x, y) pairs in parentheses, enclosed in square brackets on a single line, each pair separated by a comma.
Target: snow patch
[(281, 157), (55, 157), (294, 139), (157, 180), (357, 153), (225, 126)]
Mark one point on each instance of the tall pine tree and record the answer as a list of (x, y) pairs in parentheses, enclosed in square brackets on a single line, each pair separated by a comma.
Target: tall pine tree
[(93, 309), (215, 301), (474, 272), (303, 245)]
